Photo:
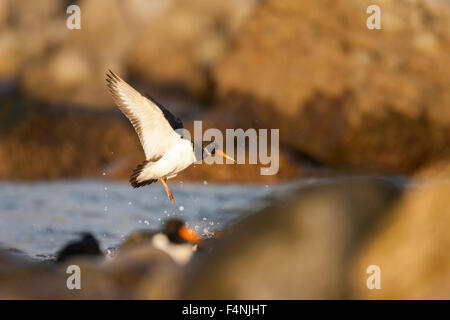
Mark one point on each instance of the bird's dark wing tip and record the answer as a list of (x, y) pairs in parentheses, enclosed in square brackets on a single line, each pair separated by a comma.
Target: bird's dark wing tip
[(173, 120), (136, 172), (111, 76)]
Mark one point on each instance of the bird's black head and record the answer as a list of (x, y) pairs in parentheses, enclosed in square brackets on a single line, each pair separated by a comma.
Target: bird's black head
[(177, 232), (204, 149), (208, 149)]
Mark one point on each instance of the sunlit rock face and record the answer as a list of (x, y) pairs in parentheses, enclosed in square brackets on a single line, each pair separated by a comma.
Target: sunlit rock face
[(167, 43), (349, 96), (410, 247), (300, 249)]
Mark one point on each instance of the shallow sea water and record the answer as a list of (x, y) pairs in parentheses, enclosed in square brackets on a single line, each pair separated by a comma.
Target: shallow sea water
[(38, 218)]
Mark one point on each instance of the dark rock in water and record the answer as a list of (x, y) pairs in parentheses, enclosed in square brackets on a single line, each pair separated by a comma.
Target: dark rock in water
[(88, 245), (296, 250)]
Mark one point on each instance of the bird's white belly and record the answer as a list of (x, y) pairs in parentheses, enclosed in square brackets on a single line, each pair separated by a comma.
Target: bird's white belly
[(180, 253), (176, 159)]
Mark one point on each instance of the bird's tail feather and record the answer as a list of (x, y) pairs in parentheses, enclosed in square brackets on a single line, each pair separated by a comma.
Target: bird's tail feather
[(136, 172)]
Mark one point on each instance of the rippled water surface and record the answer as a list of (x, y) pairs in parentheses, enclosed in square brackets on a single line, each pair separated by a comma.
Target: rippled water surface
[(40, 217)]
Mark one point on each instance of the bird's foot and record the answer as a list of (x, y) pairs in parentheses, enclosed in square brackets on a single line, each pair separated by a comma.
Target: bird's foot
[(170, 196), (169, 192)]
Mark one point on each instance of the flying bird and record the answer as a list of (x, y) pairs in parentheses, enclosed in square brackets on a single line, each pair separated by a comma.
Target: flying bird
[(167, 152)]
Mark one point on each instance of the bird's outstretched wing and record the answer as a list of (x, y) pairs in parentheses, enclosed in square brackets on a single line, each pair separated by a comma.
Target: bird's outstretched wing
[(173, 120), (153, 123)]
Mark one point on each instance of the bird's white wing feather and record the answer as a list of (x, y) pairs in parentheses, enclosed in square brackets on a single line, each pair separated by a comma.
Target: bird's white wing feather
[(154, 131)]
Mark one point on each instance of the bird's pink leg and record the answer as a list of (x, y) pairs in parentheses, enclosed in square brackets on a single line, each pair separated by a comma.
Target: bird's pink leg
[(169, 193)]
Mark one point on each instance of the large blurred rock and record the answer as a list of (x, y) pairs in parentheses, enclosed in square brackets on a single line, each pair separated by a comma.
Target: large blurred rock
[(147, 272), (178, 46), (38, 141), (347, 95), (23, 35), (9, 55), (297, 250), (73, 72), (137, 271), (434, 172), (167, 42), (24, 278), (45, 142), (411, 248)]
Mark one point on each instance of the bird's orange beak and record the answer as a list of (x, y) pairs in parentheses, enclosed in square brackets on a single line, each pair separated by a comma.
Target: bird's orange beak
[(189, 234), (223, 154)]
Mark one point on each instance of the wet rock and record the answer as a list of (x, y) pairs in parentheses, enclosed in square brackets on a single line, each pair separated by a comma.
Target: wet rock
[(88, 143), (410, 247), (296, 250), (346, 95), (85, 143), (86, 246)]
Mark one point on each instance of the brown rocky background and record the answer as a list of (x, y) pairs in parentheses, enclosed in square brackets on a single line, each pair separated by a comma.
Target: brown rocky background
[(345, 98)]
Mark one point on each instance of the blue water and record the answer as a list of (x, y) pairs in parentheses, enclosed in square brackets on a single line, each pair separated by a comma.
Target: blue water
[(39, 218)]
